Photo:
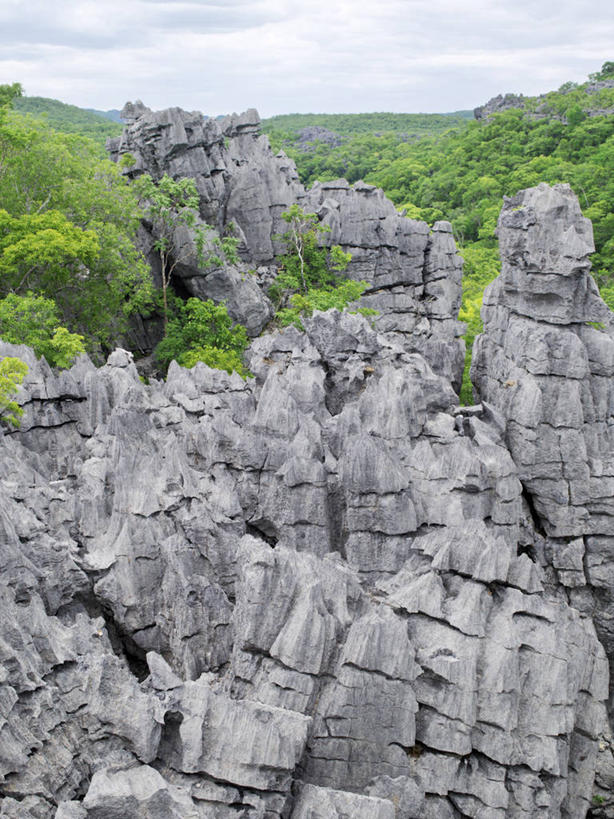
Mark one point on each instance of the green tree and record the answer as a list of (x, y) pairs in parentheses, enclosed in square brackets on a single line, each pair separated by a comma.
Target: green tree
[(309, 277), (34, 320), (12, 373), (9, 93), (49, 176), (575, 115), (203, 331), (170, 204), (305, 265), (44, 251)]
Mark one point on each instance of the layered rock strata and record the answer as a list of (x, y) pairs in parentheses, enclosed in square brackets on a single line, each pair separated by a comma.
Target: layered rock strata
[(414, 274), (325, 591)]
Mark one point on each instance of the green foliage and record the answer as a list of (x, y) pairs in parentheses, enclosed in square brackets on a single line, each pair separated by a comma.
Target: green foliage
[(229, 245), (45, 251), (72, 218), (309, 278), (9, 94), (203, 331), (168, 202), (12, 373), (34, 320), (305, 265), (355, 124), (69, 119), (326, 298), (481, 266), (227, 360)]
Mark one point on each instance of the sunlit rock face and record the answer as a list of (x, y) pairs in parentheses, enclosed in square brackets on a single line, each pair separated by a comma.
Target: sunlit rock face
[(325, 591), (413, 272), (546, 361)]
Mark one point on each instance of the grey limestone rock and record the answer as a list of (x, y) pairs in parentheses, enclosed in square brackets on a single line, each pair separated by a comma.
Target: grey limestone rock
[(310, 135), (413, 273), (545, 361), (324, 803)]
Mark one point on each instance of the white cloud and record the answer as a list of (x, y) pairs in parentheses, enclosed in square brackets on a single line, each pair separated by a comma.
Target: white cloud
[(280, 55)]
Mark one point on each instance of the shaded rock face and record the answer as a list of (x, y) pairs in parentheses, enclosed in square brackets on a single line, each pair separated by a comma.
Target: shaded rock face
[(320, 592), (414, 273)]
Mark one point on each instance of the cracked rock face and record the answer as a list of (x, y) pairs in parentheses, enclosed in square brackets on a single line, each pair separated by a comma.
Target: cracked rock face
[(413, 272), (321, 592), (546, 361)]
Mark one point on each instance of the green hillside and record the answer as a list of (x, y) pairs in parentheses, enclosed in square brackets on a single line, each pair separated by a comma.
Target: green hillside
[(350, 125), (69, 119)]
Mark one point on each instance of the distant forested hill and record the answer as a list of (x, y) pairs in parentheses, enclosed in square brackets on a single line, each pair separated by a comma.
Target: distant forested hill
[(354, 124), (114, 114), (69, 119)]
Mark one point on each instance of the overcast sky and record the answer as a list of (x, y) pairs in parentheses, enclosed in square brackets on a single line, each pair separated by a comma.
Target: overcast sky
[(283, 56)]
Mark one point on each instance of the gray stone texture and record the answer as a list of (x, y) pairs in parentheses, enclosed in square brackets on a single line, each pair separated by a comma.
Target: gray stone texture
[(546, 361), (325, 591)]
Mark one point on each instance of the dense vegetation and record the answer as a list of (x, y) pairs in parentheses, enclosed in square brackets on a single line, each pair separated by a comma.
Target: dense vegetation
[(68, 223), (351, 125), (203, 331)]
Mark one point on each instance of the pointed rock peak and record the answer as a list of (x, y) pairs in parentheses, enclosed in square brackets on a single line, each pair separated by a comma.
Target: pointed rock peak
[(133, 110)]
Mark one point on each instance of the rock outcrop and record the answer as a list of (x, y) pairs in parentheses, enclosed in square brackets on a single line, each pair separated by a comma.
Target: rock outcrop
[(546, 361), (308, 137), (495, 105), (325, 591), (414, 274), (540, 107)]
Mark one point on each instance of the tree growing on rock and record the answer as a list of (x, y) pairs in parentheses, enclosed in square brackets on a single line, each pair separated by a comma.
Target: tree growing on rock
[(309, 278), (12, 373), (34, 320), (203, 331), (305, 264), (170, 204)]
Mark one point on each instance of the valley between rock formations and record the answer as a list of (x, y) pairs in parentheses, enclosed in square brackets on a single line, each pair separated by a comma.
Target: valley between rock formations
[(327, 591)]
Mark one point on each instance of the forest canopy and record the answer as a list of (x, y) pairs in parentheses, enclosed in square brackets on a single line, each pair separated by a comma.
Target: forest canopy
[(67, 228)]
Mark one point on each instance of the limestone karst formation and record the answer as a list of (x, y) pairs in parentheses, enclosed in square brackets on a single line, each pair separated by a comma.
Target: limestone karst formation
[(326, 591), (414, 272)]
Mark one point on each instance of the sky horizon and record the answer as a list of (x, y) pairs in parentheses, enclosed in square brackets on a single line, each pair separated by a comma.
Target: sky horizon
[(219, 56)]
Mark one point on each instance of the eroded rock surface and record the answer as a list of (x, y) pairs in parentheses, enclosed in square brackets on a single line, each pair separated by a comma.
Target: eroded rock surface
[(546, 361), (320, 592), (413, 273)]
